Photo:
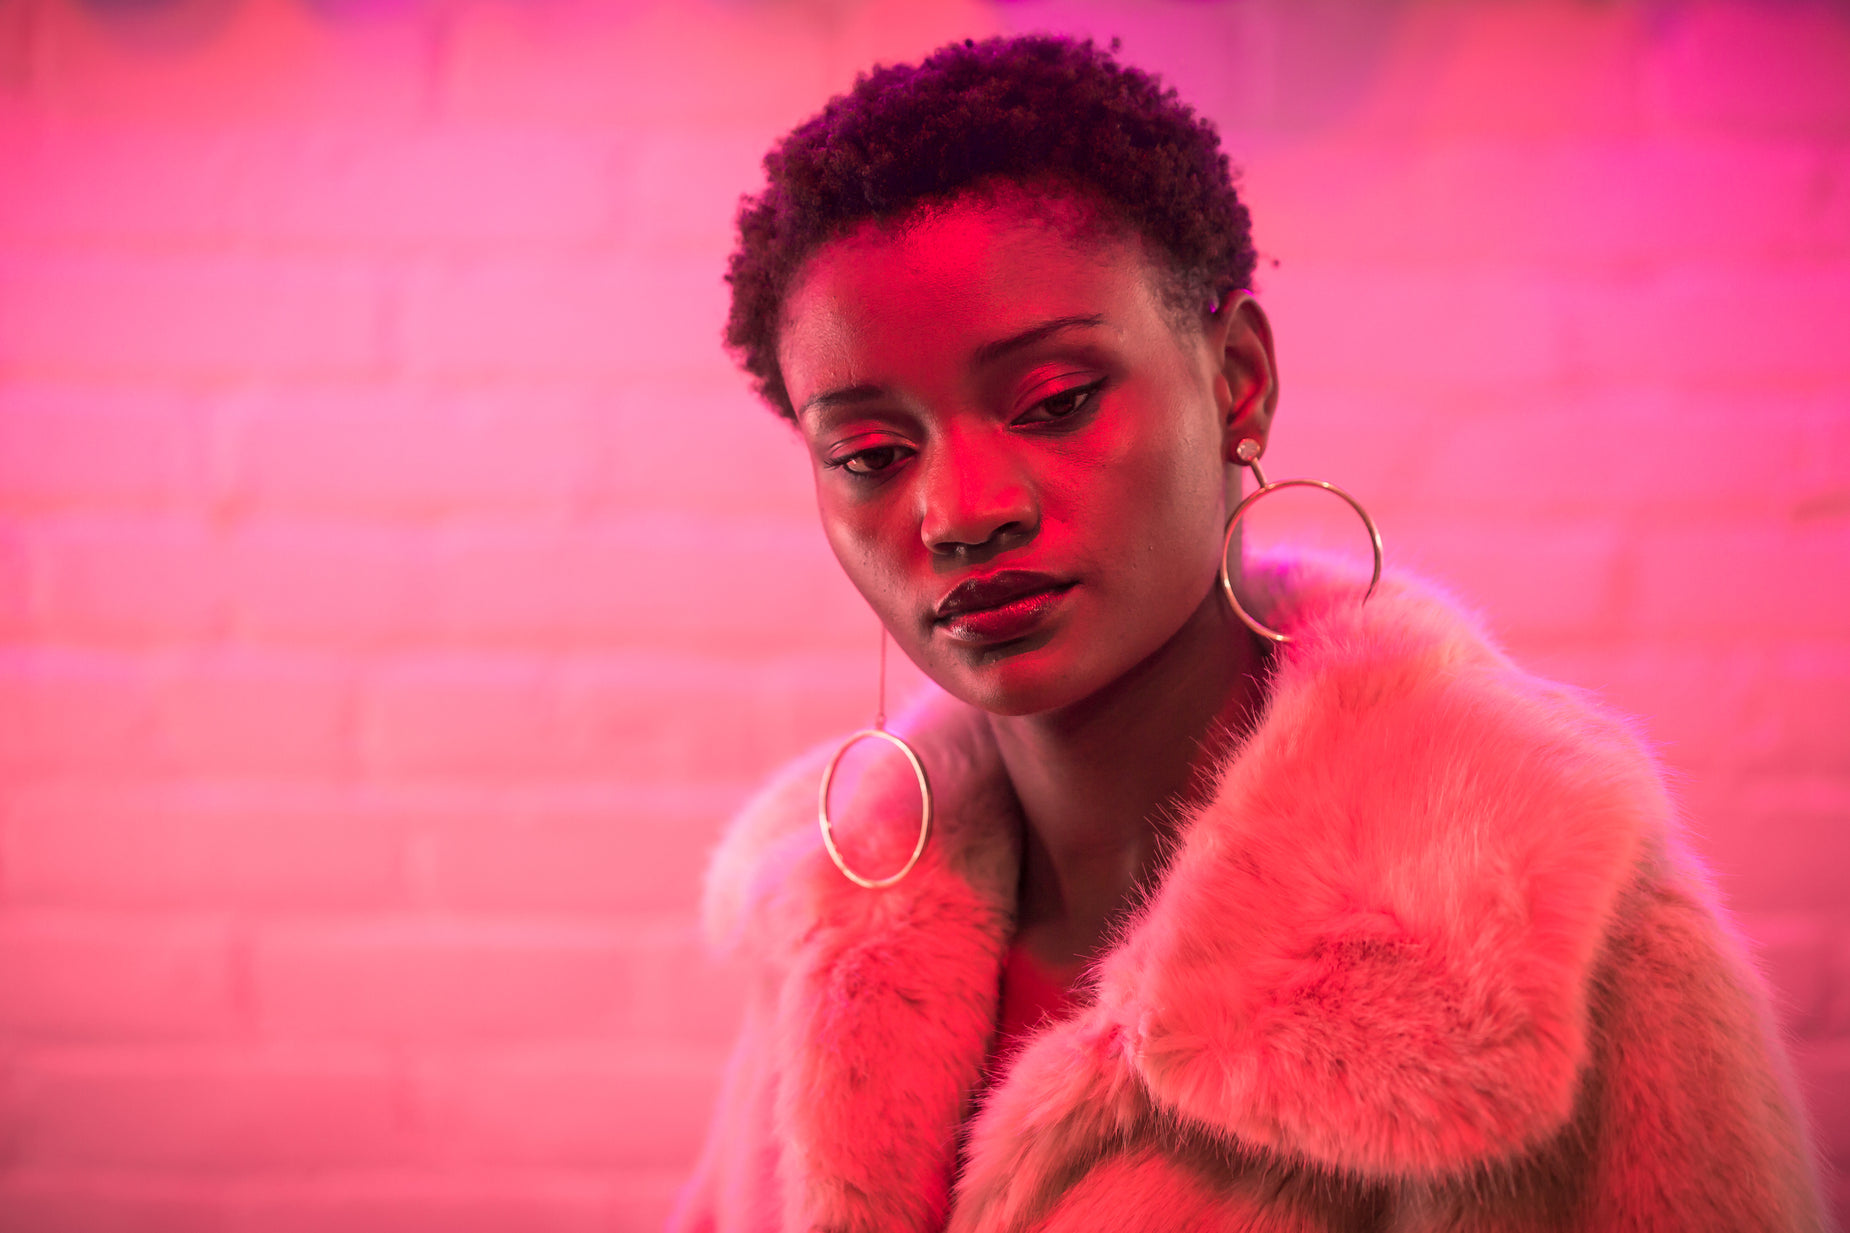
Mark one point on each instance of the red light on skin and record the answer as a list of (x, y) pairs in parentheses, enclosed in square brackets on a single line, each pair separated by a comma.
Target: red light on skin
[(985, 393)]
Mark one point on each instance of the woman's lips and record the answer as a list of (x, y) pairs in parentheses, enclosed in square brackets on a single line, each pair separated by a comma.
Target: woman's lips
[(1001, 607)]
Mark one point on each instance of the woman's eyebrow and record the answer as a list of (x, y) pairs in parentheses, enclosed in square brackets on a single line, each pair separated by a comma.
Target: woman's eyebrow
[(990, 352), (845, 396), (984, 355)]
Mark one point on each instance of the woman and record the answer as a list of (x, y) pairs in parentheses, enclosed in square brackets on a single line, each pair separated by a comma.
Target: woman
[(1361, 929)]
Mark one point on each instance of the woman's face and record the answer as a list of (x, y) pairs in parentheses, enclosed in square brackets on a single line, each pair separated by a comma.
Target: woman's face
[(1021, 456)]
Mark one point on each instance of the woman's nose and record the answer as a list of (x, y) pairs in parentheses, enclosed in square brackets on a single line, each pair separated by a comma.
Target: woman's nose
[(975, 499)]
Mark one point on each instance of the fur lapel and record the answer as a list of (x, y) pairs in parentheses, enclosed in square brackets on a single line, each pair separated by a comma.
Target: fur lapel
[(888, 997), (1373, 948), (1369, 953)]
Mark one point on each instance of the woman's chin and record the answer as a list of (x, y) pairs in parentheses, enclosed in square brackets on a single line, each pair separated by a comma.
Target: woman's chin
[(1012, 680)]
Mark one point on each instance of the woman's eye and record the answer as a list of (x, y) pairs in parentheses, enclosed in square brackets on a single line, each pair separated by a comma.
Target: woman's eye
[(871, 461), (1066, 403)]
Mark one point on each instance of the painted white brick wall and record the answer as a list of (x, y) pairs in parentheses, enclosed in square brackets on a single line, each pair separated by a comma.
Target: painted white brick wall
[(397, 587)]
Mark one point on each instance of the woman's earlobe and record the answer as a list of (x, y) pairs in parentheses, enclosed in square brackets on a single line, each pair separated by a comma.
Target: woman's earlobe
[(1243, 445)]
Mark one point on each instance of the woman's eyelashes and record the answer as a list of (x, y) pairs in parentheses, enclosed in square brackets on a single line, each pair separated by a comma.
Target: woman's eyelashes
[(875, 459), (871, 459), (1066, 404)]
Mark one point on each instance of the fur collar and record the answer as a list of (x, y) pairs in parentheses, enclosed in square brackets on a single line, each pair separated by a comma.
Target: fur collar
[(1370, 952)]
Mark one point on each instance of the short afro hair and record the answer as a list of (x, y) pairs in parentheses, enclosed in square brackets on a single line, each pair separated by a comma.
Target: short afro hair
[(1034, 110)]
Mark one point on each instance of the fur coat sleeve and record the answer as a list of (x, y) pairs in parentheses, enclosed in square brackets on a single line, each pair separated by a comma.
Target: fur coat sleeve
[(1430, 957)]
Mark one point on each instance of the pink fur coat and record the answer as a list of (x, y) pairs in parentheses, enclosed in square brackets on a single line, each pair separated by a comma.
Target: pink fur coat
[(1429, 958)]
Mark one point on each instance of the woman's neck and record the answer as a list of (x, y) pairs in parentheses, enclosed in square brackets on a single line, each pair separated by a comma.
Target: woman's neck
[(1102, 783)]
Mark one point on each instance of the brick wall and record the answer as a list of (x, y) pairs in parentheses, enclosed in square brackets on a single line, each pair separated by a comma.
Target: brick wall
[(397, 588)]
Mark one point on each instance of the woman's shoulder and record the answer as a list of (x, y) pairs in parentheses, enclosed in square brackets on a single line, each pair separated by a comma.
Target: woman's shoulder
[(771, 823), (769, 868), (1416, 827), (1415, 667)]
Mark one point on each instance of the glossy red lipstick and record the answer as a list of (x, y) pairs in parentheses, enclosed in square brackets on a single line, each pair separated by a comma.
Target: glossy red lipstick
[(999, 607)]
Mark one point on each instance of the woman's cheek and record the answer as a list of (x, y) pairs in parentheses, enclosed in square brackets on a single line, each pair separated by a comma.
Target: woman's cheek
[(871, 555)]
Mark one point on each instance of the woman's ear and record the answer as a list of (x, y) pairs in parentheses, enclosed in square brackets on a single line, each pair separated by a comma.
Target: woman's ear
[(1247, 384)]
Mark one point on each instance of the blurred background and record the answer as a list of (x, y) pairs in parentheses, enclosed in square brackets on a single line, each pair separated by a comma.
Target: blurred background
[(398, 588)]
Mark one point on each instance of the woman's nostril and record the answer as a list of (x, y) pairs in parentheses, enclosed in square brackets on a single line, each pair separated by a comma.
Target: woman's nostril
[(979, 537)]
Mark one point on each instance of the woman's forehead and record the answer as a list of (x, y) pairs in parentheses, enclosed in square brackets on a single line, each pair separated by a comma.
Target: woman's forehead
[(957, 275)]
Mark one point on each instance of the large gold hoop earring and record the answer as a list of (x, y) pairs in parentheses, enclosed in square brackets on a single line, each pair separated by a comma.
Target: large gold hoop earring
[(877, 732), (1248, 453)]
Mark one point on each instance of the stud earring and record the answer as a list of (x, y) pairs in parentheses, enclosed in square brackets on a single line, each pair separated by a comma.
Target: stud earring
[(1248, 451), (877, 732)]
